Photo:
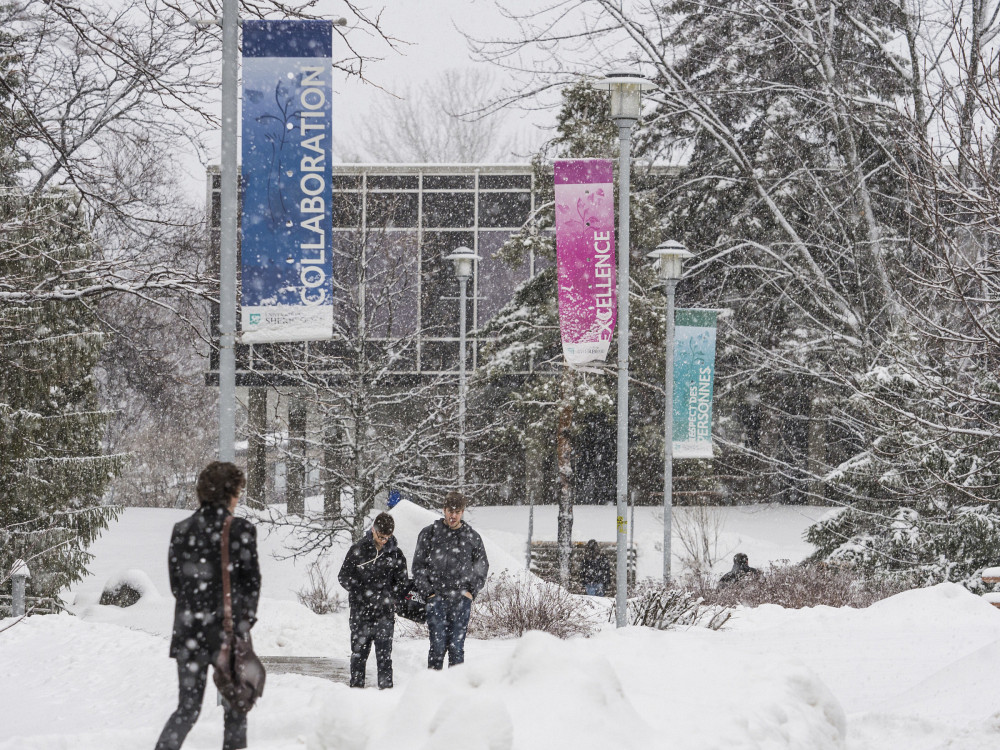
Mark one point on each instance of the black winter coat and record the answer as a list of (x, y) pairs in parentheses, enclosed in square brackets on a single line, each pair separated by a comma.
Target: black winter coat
[(595, 569), (195, 566), (738, 572), (374, 579), (449, 561)]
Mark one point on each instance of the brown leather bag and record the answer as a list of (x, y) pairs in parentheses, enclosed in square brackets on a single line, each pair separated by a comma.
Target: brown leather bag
[(239, 674)]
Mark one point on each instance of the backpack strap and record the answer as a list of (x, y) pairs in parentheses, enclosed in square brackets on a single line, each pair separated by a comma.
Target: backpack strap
[(227, 593)]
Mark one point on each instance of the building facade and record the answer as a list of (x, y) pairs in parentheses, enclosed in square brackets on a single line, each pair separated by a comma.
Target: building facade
[(393, 225)]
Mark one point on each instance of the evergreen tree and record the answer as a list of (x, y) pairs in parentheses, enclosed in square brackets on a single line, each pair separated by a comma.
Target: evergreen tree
[(789, 193), (53, 472), (522, 366)]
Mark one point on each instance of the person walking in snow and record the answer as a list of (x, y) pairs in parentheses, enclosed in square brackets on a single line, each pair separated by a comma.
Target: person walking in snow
[(195, 566), (741, 568), (374, 576), (595, 572), (449, 569)]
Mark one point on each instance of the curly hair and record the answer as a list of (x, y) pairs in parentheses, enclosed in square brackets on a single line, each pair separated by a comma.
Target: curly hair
[(218, 483), (455, 500), (384, 524)]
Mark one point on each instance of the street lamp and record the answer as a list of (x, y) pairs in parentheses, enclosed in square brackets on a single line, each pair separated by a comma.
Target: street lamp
[(626, 92), (669, 257), (464, 259)]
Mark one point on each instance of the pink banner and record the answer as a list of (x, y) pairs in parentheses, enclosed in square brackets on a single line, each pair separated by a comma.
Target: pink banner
[(585, 256)]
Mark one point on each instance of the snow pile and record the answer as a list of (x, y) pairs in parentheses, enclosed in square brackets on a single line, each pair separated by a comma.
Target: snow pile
[(135, 579), (631, 689), (920, 670)]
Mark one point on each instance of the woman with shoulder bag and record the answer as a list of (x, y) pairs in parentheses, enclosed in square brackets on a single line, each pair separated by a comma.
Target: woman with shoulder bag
[(196, 580)]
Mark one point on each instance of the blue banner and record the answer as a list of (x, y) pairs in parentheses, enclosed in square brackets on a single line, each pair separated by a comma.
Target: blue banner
[(287, 220), (694, 376)]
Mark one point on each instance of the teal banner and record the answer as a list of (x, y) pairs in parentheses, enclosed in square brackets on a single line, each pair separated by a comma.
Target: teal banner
[(694, 375)]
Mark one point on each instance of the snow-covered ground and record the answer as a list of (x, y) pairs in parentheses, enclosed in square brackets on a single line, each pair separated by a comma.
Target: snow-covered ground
[(919, 671)]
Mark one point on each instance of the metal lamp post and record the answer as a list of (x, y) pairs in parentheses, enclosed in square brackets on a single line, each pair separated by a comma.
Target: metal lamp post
[(227, 232), (464, 259), (669, 257), (626, 93)]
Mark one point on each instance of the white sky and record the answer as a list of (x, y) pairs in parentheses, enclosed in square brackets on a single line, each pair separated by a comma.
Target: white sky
[(430, 43)]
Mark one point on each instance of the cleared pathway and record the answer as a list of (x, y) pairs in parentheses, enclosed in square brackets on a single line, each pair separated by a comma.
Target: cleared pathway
[(337, 670)]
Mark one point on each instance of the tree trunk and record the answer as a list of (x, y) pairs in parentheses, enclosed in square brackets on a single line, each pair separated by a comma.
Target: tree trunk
[(256, 448), (297, 457), (332, 485)]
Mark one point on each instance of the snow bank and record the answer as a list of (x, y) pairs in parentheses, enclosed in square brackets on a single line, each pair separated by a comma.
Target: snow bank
[(135, 579), (91, 686)]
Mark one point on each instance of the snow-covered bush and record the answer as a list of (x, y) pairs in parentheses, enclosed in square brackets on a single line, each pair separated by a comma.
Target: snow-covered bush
[(919, 544), (509, 606), (127, 587), (662, 607), (319, 594), (804, 585)]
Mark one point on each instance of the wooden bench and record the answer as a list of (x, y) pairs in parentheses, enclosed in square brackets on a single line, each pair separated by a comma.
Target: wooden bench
[(545, 563), (992, 575)]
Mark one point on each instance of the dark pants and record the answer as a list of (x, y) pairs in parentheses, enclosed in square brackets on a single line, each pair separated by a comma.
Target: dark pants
[(363, 635), (191, 678), (448, 622)]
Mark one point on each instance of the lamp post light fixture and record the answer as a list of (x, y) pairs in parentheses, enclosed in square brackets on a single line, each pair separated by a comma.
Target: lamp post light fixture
[(626, 92), (669, 257), (464, 259)]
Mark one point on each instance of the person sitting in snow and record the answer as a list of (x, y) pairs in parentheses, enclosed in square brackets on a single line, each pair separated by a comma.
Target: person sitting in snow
[(741, 568), (374, 576), (195, 566), (595, 571), (449, 569)]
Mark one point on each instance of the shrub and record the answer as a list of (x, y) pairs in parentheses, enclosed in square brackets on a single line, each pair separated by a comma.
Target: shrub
[(663, 607), (804, 585), (510, 606), (318, 594)]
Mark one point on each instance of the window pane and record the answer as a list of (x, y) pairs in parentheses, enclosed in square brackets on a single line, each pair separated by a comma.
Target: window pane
[(449, 209), (391, 280), (286, 356), (387, 210), (439, 288), (393, 182), (504, 181), (497, 280), (439, 356), (327, 355), (346, 210), (346, 267), (504, 209), (345, 182), (449, 182)]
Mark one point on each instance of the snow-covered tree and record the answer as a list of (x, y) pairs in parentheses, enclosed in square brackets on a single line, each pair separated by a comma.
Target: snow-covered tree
[(53, 467), (442, 120), (839, 161), (556, 415), (376, 426)]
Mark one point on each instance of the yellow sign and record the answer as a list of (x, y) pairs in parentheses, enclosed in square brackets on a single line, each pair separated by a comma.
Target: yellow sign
[(622, 524)]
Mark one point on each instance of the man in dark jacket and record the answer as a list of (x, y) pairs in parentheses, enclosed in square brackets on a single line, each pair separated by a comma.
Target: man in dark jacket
[(449, 570), (741, 568), (195, 567), (374, 576)]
